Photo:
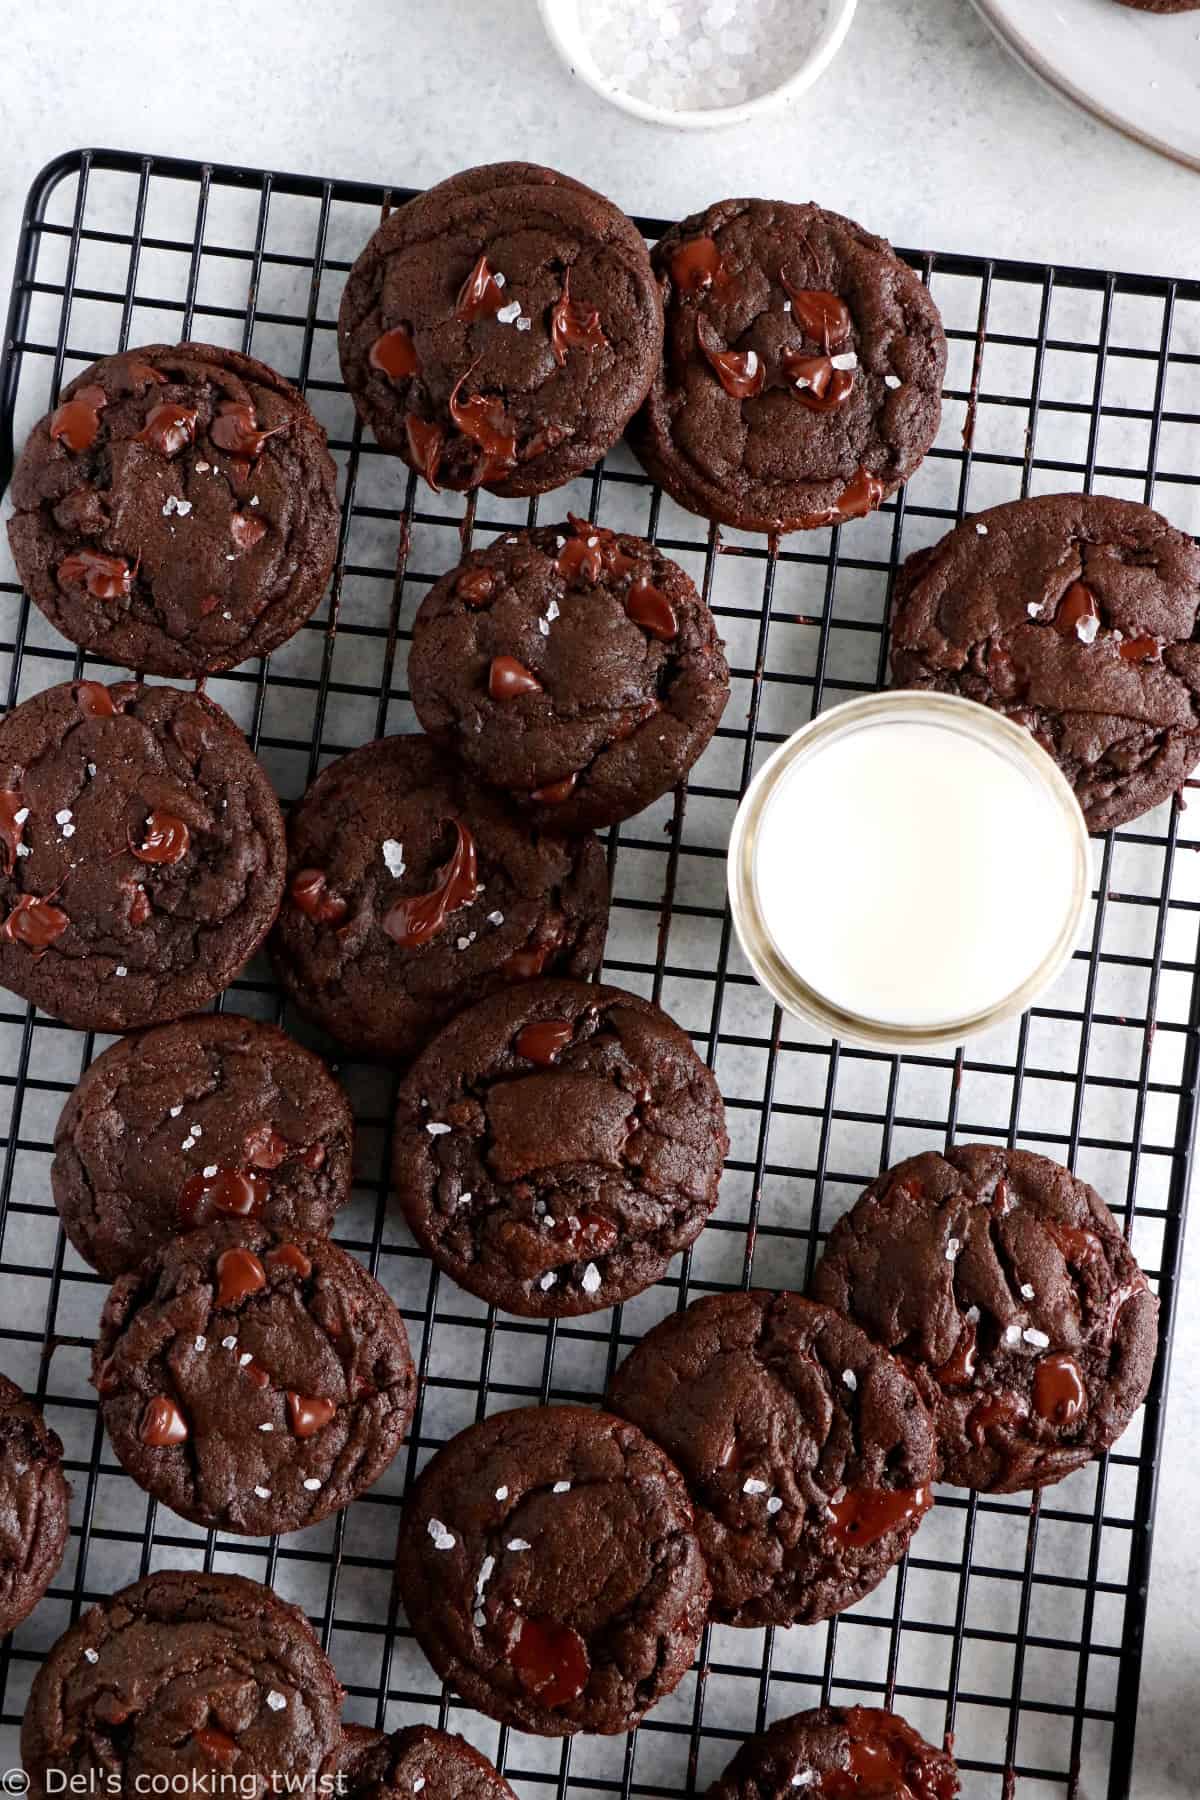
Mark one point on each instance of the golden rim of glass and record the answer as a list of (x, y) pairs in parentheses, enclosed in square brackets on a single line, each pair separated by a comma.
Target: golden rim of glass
[(783, 982)]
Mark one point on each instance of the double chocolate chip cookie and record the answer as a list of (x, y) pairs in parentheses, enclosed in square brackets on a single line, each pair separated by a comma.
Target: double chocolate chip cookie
[(807, 1451), (550, 1572), (838, 1753), (253, 1382), (501, 329), (195, 1683), (204, 1118), (414, 890), (557, 1145), (177, 511), (35, 1503), (438, 1765), (1075, 615), (574, 666), (142, 853), (802, 369), (1005, 1283)]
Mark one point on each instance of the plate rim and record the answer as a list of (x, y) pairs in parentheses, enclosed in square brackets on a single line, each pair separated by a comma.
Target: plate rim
[(1020, 47)]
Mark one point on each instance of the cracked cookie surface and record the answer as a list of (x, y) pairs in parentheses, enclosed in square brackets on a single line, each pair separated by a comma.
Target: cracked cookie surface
[(187, 1122), (253, 1382), (1005, 1282), (1076, 616), (576, 667), (802, 368), (184, 1678), (177, 512), (414, 890), (501, 329), (556, 1145), (35, 1503), (550, 1572), (807, 1450), (438, 1765), (141, 853), (838, 1752)]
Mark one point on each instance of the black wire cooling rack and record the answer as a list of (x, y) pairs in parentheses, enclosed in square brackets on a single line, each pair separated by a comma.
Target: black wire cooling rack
[(1015, 1626)]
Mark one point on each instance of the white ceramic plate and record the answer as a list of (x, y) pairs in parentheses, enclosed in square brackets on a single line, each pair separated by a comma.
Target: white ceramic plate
[(1136, 70)]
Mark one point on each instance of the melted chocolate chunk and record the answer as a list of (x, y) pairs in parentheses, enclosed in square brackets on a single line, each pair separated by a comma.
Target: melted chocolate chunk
[(309, 891), (162, 1422), (425, 442), (76, 423), (480, 295), (169, 429), (104, 577), (574, 327), (413, 921), (507, 678), (165, 840), (394, 354), (696, 264)]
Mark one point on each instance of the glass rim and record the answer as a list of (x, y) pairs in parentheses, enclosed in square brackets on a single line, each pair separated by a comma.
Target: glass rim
[(778, 976)]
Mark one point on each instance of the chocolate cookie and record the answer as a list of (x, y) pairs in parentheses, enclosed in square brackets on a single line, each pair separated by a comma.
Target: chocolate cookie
[(435, 1764), (204, 1683), (141, 853), (210, 1116), (1162, 6), (839, 1753), (1006, 1284), (802, 370), (575, 667), (35, 1505), (414, 890), (253, 1382), (550, 1572), (807, 1451), (556, 1145), (501, 329), (177, 512), (1075, 615)]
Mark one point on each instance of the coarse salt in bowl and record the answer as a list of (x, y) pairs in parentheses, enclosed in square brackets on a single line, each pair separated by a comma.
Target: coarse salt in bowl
[(697, 63)]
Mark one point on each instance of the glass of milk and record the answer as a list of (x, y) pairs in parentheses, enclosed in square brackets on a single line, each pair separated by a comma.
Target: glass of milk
[(908, 870)]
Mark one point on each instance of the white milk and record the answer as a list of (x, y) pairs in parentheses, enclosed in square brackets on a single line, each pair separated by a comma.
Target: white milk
[(912, 873)]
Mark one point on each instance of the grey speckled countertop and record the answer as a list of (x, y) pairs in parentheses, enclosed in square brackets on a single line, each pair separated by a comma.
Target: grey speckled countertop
[(923, 130)]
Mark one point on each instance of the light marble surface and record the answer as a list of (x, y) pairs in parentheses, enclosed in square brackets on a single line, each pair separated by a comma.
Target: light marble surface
[(923, 129)]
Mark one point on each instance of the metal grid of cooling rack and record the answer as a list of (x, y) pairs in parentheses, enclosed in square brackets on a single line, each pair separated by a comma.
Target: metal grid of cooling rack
[(1014, 1626)]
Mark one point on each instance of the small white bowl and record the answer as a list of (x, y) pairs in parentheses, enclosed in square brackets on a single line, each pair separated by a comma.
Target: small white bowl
[(561, 19)]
